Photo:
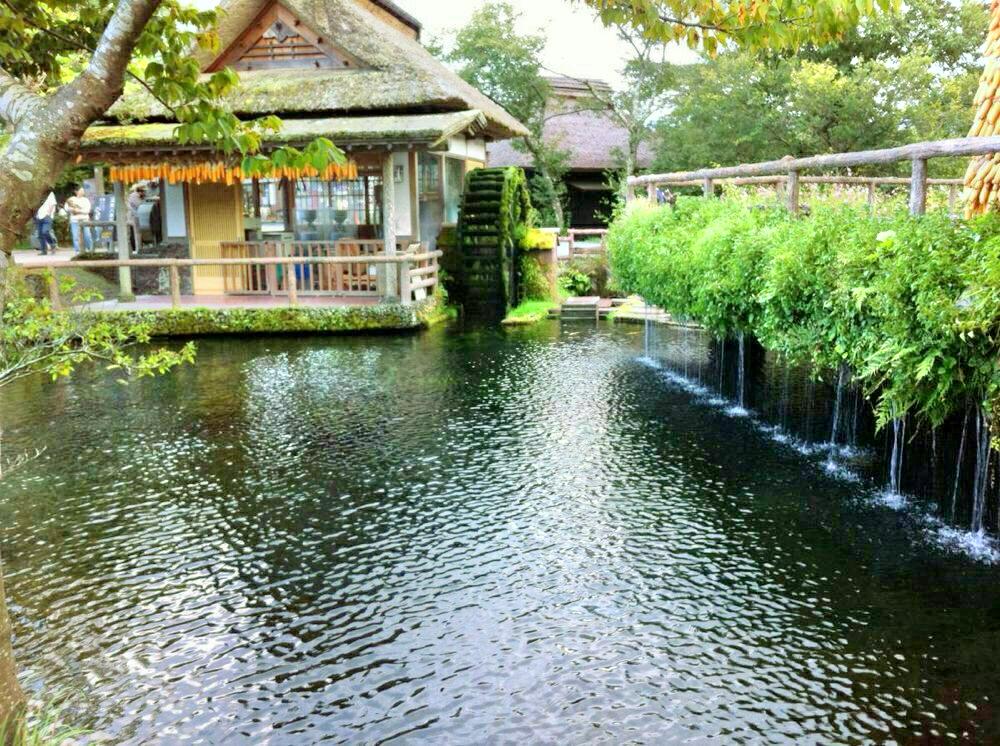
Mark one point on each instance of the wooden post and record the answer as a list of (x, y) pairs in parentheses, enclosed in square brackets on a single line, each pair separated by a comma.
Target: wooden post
[(175, 286), (793, 192), (291, 285), (99, 181), (389, 223), (918, 187), (708, 188), (871, 195), (125, 294), (952, 199), (405, 291), (413, 166), (629, 192), (779, 189), (54, 298), (651, 192)]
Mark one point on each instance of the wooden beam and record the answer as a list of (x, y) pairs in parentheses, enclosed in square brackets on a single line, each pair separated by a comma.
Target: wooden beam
[(964, 146), (708, 187)]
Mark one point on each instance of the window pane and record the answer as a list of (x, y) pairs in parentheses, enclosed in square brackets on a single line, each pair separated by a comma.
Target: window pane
[(273, 214), (454, 185), (334, 210)]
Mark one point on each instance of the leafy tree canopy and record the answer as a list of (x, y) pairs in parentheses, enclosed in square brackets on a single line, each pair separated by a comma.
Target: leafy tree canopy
[(750, 24), (894, 86)]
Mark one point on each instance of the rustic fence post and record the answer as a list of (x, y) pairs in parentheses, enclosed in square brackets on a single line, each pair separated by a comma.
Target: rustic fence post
[(708, 188), (871, 195), (122, 230), (629, 192), (952, 199), (793, 192), (291, 285), (918, 187), (651, 192), (175, 286), (405, 291), (54, 298)]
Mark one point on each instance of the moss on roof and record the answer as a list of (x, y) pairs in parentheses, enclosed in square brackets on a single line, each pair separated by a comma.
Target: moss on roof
[(426, 128), (398, 72)]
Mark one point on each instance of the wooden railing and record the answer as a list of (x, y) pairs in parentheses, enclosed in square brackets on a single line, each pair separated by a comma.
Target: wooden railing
[(587, 249), (359, 278), (789, 170), (417, 272)]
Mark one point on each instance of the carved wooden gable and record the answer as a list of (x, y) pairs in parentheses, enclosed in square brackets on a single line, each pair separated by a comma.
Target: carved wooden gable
[(278, 40)]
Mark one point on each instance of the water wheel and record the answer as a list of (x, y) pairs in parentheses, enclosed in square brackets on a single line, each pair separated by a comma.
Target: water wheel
[(493, 220)]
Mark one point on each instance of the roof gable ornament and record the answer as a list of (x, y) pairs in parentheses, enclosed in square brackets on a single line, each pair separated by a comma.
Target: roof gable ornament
[(277, 39)]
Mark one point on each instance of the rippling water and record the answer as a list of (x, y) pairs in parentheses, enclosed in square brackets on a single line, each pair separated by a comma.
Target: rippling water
[(468, 537)]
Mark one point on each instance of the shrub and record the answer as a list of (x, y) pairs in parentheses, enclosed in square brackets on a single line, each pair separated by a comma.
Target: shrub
[(911, 305), (535, 282)]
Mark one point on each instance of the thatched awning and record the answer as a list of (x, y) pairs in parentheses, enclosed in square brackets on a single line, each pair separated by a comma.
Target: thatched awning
[(124, 143)]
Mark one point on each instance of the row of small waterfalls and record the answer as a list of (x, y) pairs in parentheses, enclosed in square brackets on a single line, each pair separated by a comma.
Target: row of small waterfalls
[(948, 477)]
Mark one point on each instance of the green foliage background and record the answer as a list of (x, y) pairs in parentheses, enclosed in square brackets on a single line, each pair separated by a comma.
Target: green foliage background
[(910, 305)]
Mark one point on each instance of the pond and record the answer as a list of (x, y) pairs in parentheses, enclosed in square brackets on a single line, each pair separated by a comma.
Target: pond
[(469, 536)]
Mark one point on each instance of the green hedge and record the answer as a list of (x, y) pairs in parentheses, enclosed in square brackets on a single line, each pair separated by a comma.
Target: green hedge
[(910, 305), (187, 322)]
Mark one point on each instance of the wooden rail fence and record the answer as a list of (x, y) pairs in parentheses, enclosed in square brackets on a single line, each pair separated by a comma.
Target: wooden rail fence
[(417, 272), (787, 175), (586, 249)]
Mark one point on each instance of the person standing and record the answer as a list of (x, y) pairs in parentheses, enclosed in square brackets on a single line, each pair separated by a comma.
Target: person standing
[(135, 199), (79, 209), (43, 225)]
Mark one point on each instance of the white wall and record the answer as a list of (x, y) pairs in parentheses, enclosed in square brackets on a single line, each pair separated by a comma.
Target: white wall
[(173, 197), (472, 148)]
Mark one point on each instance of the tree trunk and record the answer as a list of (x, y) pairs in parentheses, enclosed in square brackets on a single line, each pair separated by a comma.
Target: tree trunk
[(46, 130), (11, 695)]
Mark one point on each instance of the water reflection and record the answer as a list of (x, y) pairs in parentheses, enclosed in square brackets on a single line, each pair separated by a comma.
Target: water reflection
[(469, 536)]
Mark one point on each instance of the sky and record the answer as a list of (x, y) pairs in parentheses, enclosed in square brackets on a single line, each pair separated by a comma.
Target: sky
[(578, 44)]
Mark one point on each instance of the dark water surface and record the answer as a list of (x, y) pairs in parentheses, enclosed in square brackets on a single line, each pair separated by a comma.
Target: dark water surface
[(478, 537)]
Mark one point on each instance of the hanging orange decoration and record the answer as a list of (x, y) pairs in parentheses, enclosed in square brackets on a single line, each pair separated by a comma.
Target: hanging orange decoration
[(217, 172), (982, 180)]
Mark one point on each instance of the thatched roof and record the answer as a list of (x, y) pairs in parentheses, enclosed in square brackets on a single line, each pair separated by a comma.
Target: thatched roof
[(397, 74), (591, 137), (431, 130)]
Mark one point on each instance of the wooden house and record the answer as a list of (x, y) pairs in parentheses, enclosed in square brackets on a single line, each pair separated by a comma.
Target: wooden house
[(594, 142), (353, 71)]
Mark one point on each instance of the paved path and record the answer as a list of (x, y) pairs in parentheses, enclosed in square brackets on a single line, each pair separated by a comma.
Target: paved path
[(61, 256)]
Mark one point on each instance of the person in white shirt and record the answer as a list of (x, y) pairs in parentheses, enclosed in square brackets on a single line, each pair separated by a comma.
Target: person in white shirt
[(43, 225), (135, 199), (79, 209)]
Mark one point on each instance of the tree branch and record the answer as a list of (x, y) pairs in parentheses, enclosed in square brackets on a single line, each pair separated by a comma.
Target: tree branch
[(73, 44), (104, 77)]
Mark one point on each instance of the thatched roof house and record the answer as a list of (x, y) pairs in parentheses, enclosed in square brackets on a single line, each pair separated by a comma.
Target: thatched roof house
[(353, 71), (593, 140)]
